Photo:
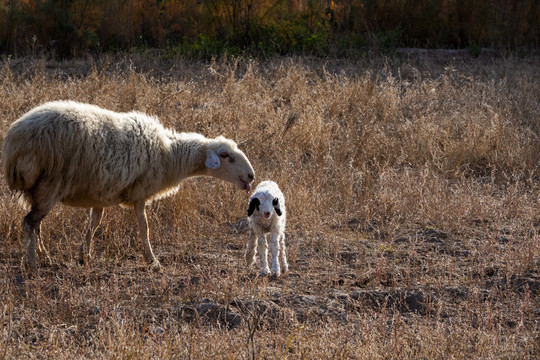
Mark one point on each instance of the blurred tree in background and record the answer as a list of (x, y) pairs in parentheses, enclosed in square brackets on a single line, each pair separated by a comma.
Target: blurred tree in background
[(264, 27)]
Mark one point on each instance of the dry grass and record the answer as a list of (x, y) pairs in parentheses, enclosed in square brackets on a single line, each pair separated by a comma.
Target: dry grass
[(413, 201)]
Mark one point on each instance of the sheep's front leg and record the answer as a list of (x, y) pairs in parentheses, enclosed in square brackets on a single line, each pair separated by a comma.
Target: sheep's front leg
[(251, 248), (283, 253), (140, 213), (274, 252), (86, 244), (262, 249)]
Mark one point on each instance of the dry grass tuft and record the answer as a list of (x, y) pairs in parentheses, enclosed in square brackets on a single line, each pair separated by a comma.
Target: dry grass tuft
[(412, 191)]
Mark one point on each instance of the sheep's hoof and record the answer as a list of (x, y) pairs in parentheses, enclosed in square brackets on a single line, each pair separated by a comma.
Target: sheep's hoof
[(29, 265), (265, 272), (31, 262), (85, 259)]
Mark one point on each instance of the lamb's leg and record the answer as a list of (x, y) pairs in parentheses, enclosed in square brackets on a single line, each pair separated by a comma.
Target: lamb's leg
[(31, 228), (140, 213), (283, 253), (251, 248), (86, 245), (262, 249), (274, 252)]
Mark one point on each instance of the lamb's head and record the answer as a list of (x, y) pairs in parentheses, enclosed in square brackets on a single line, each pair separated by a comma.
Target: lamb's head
[(225, 161), (265, 204)]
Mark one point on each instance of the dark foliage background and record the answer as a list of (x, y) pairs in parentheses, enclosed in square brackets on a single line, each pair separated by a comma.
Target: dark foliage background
[(261, 28)]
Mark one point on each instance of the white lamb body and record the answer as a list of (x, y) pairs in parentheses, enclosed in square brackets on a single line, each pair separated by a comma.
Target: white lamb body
[(267, 215), (86, 156)]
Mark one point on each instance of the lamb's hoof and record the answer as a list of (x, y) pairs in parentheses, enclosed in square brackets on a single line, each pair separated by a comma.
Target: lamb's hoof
[(286, 273), (155, 266), (276, 271), (264, 271)]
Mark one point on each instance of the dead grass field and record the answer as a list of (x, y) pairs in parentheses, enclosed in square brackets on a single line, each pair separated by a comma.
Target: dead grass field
[(412, 188)]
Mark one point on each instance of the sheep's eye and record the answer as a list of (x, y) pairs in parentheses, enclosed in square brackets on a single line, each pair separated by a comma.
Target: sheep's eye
[(224, 155), (275, 201)]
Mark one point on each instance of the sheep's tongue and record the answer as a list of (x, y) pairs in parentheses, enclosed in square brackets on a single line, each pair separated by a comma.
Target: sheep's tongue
[(248, 187)]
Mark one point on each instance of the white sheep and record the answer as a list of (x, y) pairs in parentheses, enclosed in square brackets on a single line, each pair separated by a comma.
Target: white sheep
[(267, 214), (86, 156)]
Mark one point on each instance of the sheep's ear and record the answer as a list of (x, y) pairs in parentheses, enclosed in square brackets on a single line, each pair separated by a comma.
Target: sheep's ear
[(253, 204), (212, 160), (275, 202)]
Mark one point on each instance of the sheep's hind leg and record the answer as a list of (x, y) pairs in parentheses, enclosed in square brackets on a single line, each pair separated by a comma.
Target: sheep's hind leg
[(86, 244), (140, 213), (31, 228)]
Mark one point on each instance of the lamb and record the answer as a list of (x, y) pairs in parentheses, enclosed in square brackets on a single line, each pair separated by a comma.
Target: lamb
[(267, 214), (85, 156)]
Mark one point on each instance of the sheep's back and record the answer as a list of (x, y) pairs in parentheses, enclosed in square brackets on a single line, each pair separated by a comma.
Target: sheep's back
[(86, 155)]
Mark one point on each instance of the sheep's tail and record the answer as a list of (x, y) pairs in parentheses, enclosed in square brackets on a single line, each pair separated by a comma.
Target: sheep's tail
[(21, 167), (14, 179), (18, 169), (17, 180)]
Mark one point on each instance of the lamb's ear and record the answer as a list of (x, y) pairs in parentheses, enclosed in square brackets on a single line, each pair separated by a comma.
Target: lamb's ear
[(275, 202), (253, 204), (212, 160)]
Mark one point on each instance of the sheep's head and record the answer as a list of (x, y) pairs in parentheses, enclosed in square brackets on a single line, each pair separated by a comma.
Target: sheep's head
[(225, 161), (264, 203)]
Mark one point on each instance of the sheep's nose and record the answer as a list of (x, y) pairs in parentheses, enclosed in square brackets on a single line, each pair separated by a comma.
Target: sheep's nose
[(251, 177), (266, 214)]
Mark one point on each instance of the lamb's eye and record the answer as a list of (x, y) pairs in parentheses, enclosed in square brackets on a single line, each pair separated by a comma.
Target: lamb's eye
[(275, 201), (224, 154)]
